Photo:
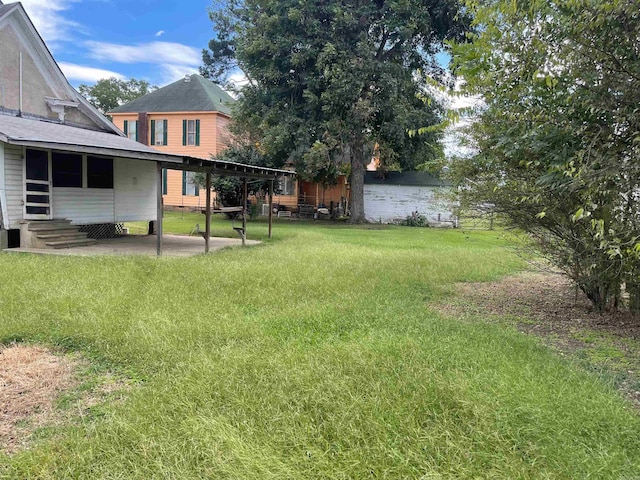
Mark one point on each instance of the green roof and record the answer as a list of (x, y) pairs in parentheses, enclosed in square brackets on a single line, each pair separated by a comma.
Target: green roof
[(190, 94)]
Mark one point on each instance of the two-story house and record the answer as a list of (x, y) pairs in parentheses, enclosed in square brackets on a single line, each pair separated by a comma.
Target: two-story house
[(187, 117)]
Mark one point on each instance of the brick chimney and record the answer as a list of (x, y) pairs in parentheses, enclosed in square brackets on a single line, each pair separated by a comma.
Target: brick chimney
[(143, 128)]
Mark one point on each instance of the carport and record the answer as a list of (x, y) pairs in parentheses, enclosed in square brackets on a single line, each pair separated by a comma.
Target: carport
[(221, 168)]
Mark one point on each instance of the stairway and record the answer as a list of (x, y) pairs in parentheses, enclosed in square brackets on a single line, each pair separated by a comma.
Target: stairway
[(56, 234)]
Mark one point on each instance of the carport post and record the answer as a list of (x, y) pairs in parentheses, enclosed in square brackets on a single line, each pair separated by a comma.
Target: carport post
[(207, 213), (245, 200), (159, 210), (270, 207)]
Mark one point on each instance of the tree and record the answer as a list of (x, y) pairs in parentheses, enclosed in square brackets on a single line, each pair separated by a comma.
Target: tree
[(559, 138), (110, 93), (344, 74)]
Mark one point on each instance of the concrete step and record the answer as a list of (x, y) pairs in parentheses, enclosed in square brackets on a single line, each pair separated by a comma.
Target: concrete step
[(48, 226), (62, 235), (70, 243)]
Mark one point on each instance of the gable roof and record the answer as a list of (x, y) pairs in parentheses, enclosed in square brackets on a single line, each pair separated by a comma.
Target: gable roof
[(4, 9), (16, 13), (195, 95)]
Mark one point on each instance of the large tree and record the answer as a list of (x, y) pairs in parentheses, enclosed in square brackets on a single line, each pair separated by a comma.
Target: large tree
[(346, 74), (559, 137), (109, 93)]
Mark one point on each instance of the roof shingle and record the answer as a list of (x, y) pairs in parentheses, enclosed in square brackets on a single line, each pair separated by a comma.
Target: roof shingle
[(196, 95)]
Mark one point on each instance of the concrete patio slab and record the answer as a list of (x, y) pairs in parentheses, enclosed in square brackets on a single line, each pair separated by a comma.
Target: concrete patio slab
[(172, 246)]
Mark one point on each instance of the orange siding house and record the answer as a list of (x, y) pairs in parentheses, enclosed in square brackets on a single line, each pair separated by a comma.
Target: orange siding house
[(190, 117)]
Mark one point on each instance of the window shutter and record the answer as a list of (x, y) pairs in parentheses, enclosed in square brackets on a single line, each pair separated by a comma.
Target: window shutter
[(184, 132), (126, 128), (197, 133), (153, 132), (164, 132), (164, 181), (184, 182), (197, 190), (137, 135)]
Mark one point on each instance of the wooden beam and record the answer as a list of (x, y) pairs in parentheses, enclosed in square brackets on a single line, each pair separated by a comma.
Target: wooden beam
[(270, 207), (245, 199), (207, 214), (159, 211)]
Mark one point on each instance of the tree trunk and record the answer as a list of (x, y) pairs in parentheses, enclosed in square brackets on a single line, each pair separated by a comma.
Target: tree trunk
[(357, 183), (634, 297)]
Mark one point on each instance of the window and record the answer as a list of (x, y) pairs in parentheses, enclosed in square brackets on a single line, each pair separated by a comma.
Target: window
[(99, 172), (131, 129), (66, 170), (191, 132), (287, 186), (158, 132), (189, 185), (37, 165)]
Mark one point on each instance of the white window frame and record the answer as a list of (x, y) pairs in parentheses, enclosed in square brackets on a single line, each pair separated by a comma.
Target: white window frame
[(191, 132), (132, 130)]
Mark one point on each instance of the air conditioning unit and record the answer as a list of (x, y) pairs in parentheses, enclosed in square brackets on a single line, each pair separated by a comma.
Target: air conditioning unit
[(265, 209)]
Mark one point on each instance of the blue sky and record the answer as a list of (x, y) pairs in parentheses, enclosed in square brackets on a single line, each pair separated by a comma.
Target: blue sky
[(158, 41)]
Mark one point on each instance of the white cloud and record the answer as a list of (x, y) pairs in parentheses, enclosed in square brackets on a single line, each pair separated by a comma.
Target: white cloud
[(159, 33), (86, 74), (153, 52), (47, 17), (238, 79), (174, 72)]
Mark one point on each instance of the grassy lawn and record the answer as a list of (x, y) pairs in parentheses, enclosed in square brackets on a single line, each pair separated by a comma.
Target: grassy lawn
[(180, 223), (314, 356)]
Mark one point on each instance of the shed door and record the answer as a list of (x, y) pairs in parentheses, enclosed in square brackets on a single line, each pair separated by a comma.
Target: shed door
[(37, 185)]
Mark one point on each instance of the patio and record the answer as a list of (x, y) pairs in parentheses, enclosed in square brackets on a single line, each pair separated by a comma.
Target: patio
[(173, 246)]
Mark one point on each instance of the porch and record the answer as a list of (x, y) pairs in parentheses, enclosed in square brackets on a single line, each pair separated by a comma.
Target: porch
[(146, 245)]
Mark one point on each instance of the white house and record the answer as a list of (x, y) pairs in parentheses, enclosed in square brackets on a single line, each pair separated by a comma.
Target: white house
[(393, 196), (62, 163)]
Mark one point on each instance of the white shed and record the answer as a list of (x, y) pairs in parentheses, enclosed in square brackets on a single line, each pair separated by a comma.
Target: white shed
[(393, 196)]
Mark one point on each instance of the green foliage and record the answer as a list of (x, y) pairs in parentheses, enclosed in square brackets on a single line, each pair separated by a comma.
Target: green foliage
[(230, 189), (110, 93), (259, 363), (416, 220), (558, 138), (333, 79), (319, 166)]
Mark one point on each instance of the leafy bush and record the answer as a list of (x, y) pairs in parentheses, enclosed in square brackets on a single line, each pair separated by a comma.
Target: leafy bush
[(416, 220)]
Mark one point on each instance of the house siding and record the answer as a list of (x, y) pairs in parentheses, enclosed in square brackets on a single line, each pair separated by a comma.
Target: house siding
[(213, 140), (14, 184), (222, 133), (36, 80), (3, 200), (392, 203), (84, 205), (135, 186)]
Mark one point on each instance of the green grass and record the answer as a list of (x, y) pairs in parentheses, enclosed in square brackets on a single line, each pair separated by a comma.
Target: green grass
[(313, 356), (183, 223)]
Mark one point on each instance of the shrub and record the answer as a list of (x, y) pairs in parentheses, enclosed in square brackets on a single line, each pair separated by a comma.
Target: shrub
[(416, 220)]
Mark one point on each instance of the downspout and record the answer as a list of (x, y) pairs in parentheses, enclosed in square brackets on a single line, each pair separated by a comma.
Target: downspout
[(20, 107), (4, 214)]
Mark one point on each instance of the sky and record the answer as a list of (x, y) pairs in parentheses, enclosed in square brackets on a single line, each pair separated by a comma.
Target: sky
[(155, 40)]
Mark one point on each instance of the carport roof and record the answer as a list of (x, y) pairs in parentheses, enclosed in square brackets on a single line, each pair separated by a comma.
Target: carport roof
[(37, 133)]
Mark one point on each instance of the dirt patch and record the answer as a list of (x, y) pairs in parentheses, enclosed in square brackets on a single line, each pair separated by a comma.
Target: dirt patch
[(33, 379), (549, 306)]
